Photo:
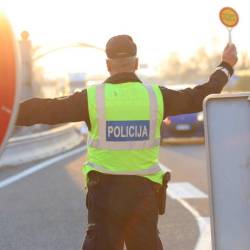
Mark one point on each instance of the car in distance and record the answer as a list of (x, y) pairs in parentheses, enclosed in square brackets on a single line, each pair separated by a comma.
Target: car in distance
[(184, 125)]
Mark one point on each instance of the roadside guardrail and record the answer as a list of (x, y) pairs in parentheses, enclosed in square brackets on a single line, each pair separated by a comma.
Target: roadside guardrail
[(28, 148)]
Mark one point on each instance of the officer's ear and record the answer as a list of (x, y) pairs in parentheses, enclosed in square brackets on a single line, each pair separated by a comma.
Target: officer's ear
[(136, 63), (108, 65)]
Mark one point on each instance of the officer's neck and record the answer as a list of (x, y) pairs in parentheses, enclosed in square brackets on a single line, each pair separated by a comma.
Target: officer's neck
[(116, 72), (123, 77)]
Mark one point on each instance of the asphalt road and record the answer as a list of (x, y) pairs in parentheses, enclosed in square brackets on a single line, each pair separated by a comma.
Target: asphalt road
[(46, 210)]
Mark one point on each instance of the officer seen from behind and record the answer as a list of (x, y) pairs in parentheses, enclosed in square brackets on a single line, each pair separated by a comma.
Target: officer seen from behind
[(126, 185)]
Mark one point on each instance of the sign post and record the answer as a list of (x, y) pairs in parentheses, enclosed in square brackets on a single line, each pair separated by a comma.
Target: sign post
[(230, 18), (9, 80)]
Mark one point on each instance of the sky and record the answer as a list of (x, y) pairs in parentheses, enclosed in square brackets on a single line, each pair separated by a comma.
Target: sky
[(158, 27)]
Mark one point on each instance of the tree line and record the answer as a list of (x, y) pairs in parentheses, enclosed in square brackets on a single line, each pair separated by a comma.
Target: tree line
[(198, 67)]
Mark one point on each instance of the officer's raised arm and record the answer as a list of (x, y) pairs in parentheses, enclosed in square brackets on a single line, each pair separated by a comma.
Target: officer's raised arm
[(190, 100), (72, 108)]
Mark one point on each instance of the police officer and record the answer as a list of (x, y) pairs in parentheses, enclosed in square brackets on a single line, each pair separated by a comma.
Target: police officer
[(124, 179)]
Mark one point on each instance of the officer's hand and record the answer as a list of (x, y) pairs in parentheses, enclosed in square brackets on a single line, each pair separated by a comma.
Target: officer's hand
[(230, 55)]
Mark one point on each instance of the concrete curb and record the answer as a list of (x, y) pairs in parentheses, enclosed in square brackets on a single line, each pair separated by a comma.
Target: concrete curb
[(176, 141), (24, 149)]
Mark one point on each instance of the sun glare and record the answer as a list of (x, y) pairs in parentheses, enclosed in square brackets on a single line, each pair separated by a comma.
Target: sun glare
[(158, 27)]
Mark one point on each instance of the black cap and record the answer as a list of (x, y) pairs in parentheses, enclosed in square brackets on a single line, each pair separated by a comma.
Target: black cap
[(120, 46)]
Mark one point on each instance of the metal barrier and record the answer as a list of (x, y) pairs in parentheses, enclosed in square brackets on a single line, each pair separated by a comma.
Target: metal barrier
[(24, 149)]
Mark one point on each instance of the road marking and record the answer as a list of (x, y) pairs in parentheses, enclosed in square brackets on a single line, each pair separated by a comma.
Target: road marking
[(40, 166), (164, 168), (185, 190), (204, 240)]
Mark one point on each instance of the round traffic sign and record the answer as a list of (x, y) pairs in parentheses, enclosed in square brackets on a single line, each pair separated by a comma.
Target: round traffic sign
[(229, 17), (9, 75)]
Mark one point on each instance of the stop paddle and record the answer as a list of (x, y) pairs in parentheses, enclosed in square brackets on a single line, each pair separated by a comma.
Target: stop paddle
[(9, 80), (230, 18)]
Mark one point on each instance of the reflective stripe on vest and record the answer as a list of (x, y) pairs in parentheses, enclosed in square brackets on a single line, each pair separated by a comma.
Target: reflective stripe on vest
[(102, 143), (151, 170)]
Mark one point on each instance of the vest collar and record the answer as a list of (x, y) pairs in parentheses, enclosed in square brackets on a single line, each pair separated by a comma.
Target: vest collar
[(122, 78)]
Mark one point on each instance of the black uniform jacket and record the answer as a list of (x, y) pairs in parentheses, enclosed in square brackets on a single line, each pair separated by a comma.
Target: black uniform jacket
[(74, 108)]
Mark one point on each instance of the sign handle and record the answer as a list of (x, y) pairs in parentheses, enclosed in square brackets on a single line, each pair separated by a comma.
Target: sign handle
[(230, 35)]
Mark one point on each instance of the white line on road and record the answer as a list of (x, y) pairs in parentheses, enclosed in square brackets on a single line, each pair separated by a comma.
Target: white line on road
[(185, 190), (40, 166), (204, 241)]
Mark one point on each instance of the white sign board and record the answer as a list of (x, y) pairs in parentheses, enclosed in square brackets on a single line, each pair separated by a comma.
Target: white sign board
[(227, 129)]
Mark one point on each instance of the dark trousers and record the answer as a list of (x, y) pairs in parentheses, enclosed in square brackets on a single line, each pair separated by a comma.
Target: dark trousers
[(121, 209)]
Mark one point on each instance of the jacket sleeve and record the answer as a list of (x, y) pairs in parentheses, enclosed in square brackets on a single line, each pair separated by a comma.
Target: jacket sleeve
[(190, 100), (72, 108)]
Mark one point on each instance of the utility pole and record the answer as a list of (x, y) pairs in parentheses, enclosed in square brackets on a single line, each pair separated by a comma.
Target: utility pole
[(25, 46)]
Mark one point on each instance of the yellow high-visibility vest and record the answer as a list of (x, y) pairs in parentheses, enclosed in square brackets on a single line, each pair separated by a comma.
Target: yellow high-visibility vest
[(125, 130)]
